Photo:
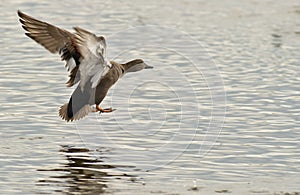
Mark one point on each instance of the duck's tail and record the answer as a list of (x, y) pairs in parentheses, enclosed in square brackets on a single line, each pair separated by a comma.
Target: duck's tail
[(66, 113), (79, 104)]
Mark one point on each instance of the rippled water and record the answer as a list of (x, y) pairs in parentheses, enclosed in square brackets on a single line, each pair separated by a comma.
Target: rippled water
[(219, 113)]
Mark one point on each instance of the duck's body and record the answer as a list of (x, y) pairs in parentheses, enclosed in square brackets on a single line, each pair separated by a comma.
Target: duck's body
[(91, 97), (74, 111), (84, 54)]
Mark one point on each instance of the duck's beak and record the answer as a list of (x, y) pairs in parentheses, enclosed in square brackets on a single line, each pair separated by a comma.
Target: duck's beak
[(148, 67)]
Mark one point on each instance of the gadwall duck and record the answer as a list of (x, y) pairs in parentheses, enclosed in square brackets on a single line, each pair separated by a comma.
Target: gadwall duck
[(84, 53)]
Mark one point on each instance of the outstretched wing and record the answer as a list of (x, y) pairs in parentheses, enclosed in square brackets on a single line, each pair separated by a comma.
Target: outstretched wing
[(55, 40), (93, 65), (92, 68), (51, 37)]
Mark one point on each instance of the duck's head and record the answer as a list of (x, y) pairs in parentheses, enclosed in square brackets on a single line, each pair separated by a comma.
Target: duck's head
[(135, 65)]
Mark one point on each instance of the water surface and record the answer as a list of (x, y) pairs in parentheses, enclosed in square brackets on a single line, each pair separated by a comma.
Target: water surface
[(219, 113)]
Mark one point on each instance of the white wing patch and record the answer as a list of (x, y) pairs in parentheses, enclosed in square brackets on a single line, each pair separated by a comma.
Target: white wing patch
[(71, 64), (93, 65)]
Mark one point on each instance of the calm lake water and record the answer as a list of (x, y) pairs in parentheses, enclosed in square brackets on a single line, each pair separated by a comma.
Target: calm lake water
[(219, 113)]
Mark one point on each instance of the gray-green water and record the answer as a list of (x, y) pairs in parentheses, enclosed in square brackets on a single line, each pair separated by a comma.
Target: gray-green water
[(170, 133)]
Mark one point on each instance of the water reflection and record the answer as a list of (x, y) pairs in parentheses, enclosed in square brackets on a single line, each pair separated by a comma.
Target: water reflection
[(276, 40), (82, 173)]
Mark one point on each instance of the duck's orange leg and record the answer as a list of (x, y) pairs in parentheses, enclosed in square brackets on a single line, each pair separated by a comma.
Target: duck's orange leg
[(104, 110)]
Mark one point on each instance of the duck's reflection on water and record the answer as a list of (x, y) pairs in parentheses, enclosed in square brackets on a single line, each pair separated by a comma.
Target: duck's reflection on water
[(83, 173)]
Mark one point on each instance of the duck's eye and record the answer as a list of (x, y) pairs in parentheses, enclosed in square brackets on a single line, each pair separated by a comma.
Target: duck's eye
[(123, 71)]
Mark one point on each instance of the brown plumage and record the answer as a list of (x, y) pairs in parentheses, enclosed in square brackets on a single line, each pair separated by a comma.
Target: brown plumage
[(84, 54)]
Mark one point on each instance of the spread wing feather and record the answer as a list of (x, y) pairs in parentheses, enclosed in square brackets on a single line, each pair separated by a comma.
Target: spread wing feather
[(55, 40), (84, 54), (93, 65)]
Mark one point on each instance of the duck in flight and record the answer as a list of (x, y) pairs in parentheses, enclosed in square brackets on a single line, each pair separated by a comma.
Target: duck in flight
[(84, 53)]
